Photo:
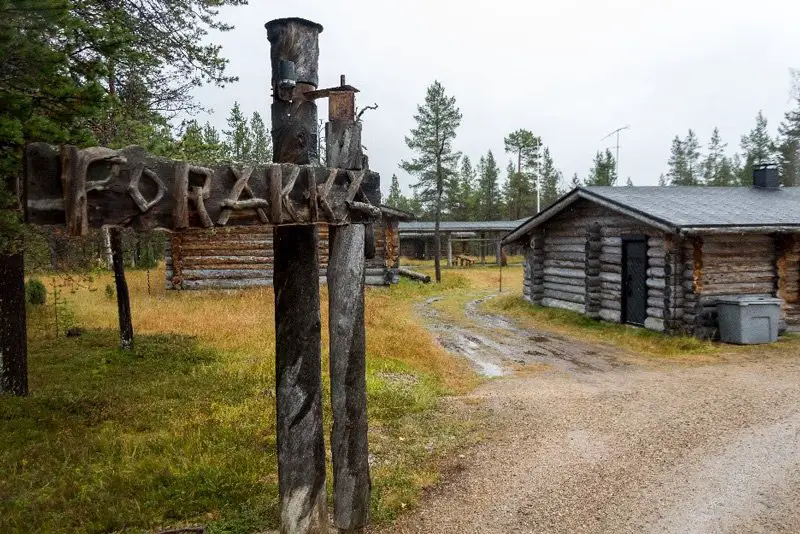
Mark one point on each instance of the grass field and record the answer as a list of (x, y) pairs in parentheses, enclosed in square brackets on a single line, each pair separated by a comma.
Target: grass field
[(181, 430)]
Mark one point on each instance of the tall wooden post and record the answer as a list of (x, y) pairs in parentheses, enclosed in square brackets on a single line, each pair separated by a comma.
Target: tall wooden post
[(294, 54), (123, 297), (449, 249), (13, 321), (13, 327), (351, 480)]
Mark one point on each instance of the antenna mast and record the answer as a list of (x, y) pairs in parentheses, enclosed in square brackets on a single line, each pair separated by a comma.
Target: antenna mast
[(616, 157)]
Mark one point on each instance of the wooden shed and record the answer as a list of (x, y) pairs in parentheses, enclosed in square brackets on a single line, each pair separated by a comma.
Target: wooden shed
[(457, 237), (660, 257), (242, 256)]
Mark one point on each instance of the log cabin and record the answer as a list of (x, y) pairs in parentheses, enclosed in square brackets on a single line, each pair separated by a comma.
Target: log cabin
[(457, 237), (660, 257), (242, 256)]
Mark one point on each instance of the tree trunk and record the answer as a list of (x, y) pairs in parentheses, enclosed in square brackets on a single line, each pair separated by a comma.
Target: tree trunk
[(123, 298), (107, 248), (13, 328), (351, 480), (437, 238)]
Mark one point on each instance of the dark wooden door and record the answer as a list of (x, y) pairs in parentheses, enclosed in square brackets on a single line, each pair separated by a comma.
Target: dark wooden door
[(634, 281)]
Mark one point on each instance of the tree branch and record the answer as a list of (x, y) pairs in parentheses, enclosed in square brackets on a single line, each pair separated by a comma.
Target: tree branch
[(373, 106)]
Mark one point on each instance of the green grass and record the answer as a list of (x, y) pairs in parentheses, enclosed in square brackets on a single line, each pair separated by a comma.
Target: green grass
[(182, 430), (110, 440), (639, 340)]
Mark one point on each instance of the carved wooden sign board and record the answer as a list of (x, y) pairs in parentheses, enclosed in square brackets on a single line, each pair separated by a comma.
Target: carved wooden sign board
[(99, 186)]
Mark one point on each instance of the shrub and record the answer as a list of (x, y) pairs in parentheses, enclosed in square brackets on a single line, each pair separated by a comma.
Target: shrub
[(35, 292), (109, 291)]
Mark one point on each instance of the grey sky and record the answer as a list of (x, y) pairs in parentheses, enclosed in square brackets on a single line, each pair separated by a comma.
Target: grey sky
[(569, 70)]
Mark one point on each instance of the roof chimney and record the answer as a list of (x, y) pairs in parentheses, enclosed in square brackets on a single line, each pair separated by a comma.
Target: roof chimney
[(765, 176)]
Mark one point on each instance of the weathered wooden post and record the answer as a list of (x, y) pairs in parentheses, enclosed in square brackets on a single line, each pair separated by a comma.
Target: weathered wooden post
[(294, 54), (123, 297), (13, 326), (351, 481), (449, 250), (131, 188)]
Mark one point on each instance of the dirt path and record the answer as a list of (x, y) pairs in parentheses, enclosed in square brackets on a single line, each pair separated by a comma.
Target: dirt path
[(604, 441)]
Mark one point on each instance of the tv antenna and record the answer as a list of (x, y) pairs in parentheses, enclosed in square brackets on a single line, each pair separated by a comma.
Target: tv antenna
[(616, 157)]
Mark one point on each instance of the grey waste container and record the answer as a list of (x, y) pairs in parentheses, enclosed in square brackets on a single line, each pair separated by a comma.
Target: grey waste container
[(747, 320)]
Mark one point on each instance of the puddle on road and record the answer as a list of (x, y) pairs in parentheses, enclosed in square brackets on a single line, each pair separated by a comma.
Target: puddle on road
[(469, 347)]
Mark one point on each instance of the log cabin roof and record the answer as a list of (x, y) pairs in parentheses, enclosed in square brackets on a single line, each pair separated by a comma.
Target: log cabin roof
[(687, 209), (423, 227), (389, 212)]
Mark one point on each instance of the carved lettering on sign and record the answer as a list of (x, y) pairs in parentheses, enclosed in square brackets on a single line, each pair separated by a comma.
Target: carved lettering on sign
[(322, 194), (235, 202), (75, 185), (183, 193), (294, 172), (136, 194)]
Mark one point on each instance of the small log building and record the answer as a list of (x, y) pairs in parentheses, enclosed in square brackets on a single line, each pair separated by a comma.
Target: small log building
[(660, 257), (242, 256), (457, 237)]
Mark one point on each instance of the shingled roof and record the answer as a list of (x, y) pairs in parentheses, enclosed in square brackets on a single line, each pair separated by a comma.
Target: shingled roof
[(687, 209)]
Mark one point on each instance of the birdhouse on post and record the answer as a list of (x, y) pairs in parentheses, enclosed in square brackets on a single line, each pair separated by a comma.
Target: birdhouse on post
[(342, 132)]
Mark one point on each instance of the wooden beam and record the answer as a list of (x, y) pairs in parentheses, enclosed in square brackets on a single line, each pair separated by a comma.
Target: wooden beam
[(123, 298), (97, 186)]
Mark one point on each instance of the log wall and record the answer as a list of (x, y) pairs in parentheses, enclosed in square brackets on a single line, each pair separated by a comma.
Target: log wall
[(240, 257), (575, 263), (788, 267), (685, 275), (738, 264)]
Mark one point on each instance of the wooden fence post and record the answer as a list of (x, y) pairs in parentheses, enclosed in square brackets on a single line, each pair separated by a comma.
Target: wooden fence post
[(123, 297), (294, 54), (349, 449), (13, 326)]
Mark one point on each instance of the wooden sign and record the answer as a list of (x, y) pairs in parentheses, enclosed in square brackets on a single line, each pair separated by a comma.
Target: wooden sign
[(97, 186)]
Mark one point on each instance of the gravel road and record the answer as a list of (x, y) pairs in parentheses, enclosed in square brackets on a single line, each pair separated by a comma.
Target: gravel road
[(606, 441)]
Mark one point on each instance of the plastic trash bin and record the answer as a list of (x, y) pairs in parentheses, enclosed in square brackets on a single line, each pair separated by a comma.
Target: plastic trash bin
[(748, 320)]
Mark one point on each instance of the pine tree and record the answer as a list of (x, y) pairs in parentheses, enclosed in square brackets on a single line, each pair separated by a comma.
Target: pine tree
[(717, 166), (395, 198), (154, 54), (549, 181), (432, 141), (575, 182), (691, 151), (216, 151), (50, 94), (788, 147), (677, 165), (525, 147), (239, 138), (517, 193), (489, 201), (663, 181), (629, 182), (603, 171), (191, 145), (757, 148), (261, 150), (461, 199)]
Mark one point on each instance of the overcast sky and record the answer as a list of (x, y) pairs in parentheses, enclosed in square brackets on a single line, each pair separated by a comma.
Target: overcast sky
[(569, 70)]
